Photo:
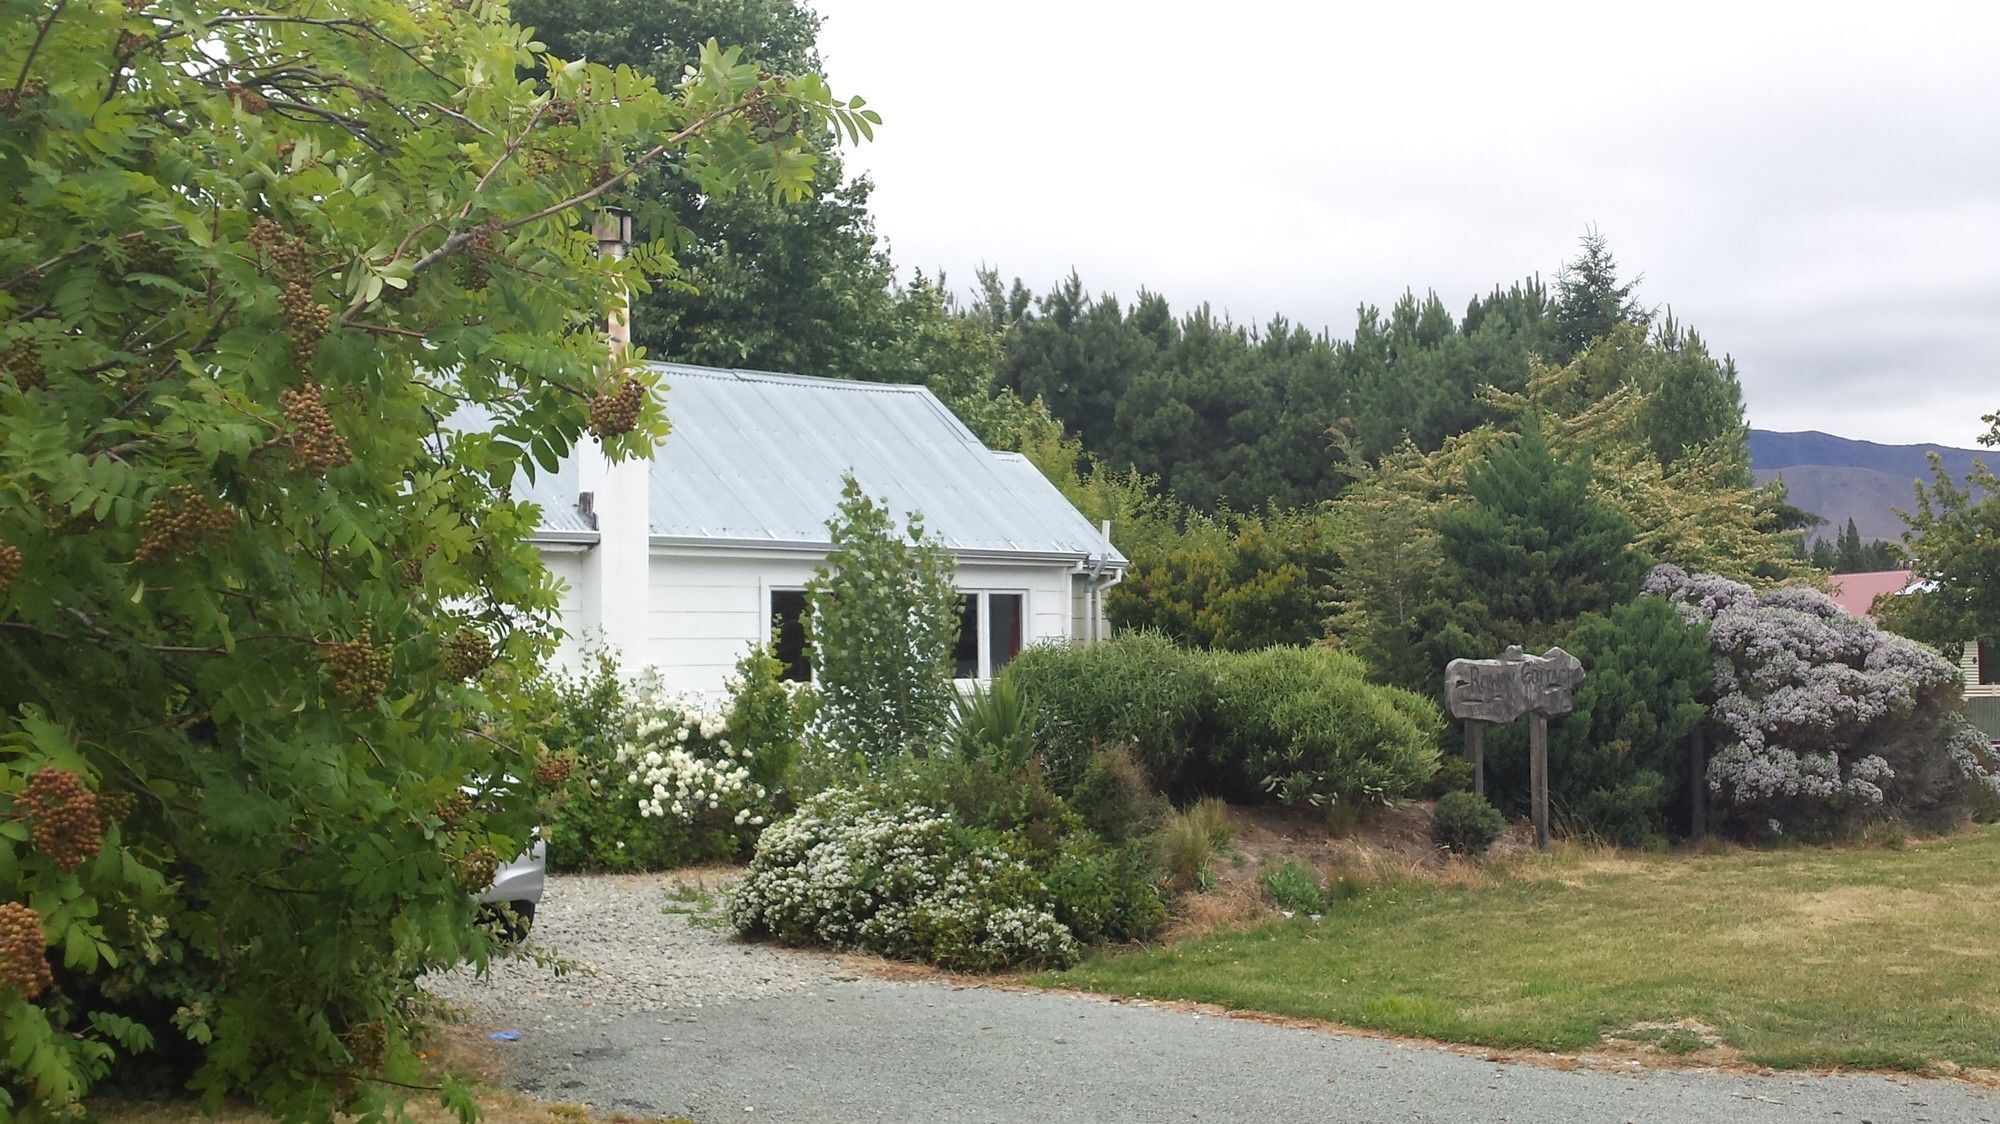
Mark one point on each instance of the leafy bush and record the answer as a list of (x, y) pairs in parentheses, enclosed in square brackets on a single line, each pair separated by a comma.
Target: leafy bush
[(1295, 888), (1618, 761), (1830, 721), (1113, 797), (1013, 802), (883, 622), (855, 869), (1103, 892), (1300, 724), (768, 717), (1306, 726), (1137, 689), (650, 781), (1465, 824)]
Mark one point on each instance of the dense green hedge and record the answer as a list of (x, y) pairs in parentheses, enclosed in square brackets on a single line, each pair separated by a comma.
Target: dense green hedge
[(1298, 725), (1139, 690)]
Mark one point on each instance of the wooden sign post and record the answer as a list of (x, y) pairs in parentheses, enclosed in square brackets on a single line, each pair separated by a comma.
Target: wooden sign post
[(1483, 691), (1475, 752)]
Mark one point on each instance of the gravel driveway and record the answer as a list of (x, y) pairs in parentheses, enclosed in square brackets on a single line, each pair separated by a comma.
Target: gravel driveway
[(668, 1016)]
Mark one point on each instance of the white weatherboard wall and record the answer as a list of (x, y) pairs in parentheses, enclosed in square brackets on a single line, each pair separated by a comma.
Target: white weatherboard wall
[(707, 607)]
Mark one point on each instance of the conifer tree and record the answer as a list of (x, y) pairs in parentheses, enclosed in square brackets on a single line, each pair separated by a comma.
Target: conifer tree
[(1531, 552), (1590, 298)]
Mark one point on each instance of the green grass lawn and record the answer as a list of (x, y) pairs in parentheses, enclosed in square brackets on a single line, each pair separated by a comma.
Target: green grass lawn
[(1798, 958)]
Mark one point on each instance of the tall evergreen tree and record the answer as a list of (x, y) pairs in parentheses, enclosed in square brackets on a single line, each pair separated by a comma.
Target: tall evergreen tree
[(1850, 557), (1531, 551), (1591, 299)]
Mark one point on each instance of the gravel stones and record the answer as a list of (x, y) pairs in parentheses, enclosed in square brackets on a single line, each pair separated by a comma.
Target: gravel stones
[(632, 943)]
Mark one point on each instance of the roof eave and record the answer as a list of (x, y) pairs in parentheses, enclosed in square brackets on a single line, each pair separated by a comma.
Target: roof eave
[(1075, 558)]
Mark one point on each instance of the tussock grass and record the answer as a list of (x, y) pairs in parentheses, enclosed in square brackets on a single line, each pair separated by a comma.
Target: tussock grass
[(1865, 958)]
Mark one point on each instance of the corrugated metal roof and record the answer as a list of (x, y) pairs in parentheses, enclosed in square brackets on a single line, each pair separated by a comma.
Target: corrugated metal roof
[(1856, 593), (554, 492), (757, 458)]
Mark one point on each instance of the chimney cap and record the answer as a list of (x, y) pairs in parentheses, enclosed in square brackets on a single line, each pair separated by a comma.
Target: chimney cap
[(613, 224)]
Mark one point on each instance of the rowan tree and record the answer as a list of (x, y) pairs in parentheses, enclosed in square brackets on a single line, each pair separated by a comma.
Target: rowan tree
[(258, 603)]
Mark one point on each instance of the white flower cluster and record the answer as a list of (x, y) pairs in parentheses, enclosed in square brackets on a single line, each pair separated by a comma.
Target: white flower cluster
[(676, 783), (682, 765), (899, 881)]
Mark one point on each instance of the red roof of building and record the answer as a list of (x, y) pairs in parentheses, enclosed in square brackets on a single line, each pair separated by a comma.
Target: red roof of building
[(1856, 593)]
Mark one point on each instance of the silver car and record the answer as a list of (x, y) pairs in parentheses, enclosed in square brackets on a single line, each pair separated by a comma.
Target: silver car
[(517, 889)]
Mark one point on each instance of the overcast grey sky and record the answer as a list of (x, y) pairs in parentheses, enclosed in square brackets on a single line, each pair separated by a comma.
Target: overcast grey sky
[(1816, 187)]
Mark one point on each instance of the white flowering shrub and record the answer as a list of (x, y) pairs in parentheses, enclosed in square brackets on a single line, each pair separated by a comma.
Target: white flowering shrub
[(1829, 718), (655, 779), (857, 869)]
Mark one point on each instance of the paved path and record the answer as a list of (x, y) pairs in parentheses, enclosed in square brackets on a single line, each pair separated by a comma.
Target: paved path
[(920, 1053), (666, 1015)]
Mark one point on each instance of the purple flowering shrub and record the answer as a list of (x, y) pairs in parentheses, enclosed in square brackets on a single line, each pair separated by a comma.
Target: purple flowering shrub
[(1828, 718)]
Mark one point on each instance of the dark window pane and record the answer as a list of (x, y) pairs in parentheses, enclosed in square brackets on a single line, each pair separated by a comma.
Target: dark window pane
[(1003, 629), (966, 655), (788, 634), (1988, 671)]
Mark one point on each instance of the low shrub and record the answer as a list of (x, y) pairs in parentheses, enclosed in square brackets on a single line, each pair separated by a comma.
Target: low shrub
[(1454, 774), (1307, 727), (1114, 799), (1212, 817), (1137, 690), (1465, 824), (1104, 893), (1295, 888), (859, 869), (1187, 839)]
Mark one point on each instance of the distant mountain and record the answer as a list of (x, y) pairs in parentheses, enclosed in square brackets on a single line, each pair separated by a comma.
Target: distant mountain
[(1838, 478)]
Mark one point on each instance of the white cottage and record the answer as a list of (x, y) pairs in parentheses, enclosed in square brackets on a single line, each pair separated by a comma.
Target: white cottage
[(686, 561)]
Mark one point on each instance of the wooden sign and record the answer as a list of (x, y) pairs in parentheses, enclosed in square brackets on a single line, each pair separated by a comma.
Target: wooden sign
[(1542, 687), (1504, 689)]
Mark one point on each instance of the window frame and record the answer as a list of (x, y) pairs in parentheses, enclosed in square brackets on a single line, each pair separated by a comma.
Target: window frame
[(770, 594), (983, 630)]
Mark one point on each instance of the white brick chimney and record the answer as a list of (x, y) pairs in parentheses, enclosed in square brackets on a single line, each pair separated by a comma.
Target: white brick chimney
[(619, 599)]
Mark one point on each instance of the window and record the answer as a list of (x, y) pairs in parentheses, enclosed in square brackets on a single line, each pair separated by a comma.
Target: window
[(788, 634), (1003, 630), (991, 630), (1987, 672), (965, 654)]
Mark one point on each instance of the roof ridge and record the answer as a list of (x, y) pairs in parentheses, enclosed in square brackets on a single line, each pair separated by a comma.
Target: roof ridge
[(745, 374)]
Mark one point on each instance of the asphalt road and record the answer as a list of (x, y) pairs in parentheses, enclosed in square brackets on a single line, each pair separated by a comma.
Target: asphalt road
[(920, 1053)]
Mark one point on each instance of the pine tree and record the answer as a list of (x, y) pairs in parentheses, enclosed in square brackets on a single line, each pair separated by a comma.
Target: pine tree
[(1590, 299), (1618, 761), (1851, 558), (1533, 551)]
